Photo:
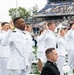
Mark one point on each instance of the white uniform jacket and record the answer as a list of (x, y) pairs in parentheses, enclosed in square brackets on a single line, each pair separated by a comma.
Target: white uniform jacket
[(40, 44), (40, 49), (49, 39), (4, 50), (70, 39), (61, 46), (17, 42), (29, 42)]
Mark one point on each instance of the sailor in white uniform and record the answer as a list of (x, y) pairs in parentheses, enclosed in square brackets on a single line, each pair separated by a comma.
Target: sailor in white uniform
[(40, 52), (70, 45), (4, 50), (47, 39), (48, 36), (18, 62), (61, 42), (29, 47)]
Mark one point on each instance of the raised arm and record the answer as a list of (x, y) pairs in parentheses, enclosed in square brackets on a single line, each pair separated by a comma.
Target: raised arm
[(43, 35), (7, 36)]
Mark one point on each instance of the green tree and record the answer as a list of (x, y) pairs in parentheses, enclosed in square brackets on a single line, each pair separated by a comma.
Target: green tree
[(19, 12), (34, 10)]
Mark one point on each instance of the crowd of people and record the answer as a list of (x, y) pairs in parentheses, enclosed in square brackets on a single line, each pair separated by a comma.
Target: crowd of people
[(16, 48), (62, 42), (58, 8)]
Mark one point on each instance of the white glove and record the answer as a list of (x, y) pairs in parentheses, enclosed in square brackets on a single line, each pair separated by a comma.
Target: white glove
[(27, 66)]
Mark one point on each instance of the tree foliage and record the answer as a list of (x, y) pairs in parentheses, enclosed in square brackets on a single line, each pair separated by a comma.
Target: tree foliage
[(34, 10), (19, 12)]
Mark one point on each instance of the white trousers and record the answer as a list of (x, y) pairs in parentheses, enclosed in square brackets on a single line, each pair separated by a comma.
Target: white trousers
[(29, 56), (17, 72), (71, 59), (60, 64), (3, 66)]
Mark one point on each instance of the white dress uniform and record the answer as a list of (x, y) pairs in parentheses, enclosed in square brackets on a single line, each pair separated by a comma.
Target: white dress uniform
[(70, 47), (4, 55), (49, 39), (18, 59), (61, 53), (40, 49), (29, 50)]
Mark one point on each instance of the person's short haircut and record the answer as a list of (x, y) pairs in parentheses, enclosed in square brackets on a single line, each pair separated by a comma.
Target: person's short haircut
[(41, 31), (28, 26), (3, 23), (15, 19), (50, 23), (71, 25), (49, 50)]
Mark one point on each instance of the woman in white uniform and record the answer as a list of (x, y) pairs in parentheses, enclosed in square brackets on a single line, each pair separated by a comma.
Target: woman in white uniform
[(28, 51), (40, 52), (61, 51), (70, 46)]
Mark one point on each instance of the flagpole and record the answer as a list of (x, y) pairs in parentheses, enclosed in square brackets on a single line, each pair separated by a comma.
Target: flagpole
[(16, 7)]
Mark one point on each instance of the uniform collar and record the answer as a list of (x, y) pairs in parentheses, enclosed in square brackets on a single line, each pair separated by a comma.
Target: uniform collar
[(50, 31), (71, 29), (2, 31), (51, 62), (16, 29)]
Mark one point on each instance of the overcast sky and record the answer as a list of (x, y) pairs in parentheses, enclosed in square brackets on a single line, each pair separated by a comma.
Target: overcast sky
[(5, 5)]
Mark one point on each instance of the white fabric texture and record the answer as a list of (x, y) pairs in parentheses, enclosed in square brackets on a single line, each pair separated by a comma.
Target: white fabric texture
[(3, 66)]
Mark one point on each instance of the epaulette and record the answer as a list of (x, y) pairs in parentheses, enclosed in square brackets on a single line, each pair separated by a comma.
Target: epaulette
[(23, 32), (14, 31)]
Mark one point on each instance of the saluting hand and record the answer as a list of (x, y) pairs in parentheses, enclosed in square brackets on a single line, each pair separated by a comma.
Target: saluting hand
[(12, 27), (46, 26), (0, 26)]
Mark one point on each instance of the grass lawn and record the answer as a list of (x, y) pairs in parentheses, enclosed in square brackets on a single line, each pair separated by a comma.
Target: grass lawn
[(34, 65)]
